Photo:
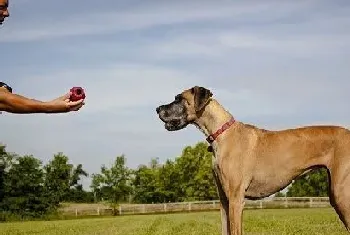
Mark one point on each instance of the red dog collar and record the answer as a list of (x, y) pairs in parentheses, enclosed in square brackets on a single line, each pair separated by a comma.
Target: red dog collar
[(223, 128)]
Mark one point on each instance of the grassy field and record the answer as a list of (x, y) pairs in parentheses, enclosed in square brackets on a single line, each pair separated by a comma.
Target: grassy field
[(277, 221)]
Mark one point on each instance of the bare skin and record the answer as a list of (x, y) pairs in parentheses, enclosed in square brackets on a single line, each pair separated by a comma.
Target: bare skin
[(250, 162), (13, 103), (4, 13)]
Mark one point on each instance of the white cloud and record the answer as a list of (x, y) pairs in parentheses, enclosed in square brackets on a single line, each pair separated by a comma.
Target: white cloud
[(146, 16), (309, 45)]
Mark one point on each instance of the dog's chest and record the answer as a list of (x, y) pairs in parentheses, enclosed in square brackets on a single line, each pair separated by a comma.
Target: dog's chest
[(215, 165)]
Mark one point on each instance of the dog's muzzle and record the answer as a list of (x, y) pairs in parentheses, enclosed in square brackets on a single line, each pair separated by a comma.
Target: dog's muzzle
[(170, 123)]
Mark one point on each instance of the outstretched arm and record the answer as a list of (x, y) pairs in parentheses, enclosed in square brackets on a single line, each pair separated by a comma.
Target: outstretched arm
[(14, 103)]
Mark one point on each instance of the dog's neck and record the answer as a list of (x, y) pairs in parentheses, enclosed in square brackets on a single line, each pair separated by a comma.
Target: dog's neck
[(212, 118)]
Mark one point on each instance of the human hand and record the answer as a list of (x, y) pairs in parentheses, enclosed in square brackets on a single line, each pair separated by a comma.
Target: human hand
[(3, 89), (64, 104)]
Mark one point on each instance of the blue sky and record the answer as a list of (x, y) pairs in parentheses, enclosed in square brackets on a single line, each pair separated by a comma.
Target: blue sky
[(275, 64)]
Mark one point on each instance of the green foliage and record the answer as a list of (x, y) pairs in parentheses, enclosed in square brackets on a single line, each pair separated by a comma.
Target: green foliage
[(79, 195), (169, 182), (187, 178), (312, 184), (6, 161), (156, 183), (30, 190), (2, 183), (280, 194), (62, 179), (57, 177), (24, 191), (114, 183), (145, 183), (194, 167)]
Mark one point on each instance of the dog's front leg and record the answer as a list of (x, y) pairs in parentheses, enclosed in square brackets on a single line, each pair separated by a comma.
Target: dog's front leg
[(225, 220), (225, 223), (236, 205)]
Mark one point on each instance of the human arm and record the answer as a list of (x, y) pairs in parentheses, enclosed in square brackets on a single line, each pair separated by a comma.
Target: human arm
[(14, 103)]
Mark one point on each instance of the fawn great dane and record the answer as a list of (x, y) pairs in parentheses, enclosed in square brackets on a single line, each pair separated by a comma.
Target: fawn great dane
[(253, 163)]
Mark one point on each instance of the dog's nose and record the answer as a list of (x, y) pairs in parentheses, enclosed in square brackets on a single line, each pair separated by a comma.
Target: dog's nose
[(158, 110)]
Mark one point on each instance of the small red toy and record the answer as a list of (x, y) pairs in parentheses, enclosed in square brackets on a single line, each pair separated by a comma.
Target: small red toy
[(77, 94)]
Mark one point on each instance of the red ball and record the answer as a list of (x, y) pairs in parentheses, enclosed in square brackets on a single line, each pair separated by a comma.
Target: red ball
[(77, 93)]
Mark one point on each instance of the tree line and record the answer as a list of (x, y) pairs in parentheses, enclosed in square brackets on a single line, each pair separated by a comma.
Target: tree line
[(30, 189)]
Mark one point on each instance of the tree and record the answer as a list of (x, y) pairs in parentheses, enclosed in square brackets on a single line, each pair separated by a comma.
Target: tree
[(61, 178), (25, 195), (169, 182), (76, 175), (76, 192), (7, 159), (57, 177), (96, 186), (2, 173), (145, 185), (196, 177), (189, 177), (312, 184), (115, 181), (27, 189), (79, 195), (6, 162), (155, 183), (2, 183)]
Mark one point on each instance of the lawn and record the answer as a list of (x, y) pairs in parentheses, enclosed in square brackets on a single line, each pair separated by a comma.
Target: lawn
[(273, 221)]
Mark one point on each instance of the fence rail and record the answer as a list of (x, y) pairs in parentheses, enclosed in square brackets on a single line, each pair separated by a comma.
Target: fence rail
[(127, 209)]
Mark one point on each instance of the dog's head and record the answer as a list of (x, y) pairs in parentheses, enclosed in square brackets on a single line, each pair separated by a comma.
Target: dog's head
[(185, 109)]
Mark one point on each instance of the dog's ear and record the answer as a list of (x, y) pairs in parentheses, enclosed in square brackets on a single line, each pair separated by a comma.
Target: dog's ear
[(201, 97)]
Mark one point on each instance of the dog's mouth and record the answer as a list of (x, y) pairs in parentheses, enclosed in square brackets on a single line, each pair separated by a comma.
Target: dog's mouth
[(174, 125)]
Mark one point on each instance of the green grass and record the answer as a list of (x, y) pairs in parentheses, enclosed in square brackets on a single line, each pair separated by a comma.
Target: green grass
[(273, 221)]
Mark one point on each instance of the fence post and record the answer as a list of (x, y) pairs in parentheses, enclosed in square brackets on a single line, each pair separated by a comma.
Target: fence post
[(164, 207), (189, 206), (213, 204), (76, 212), (98, 210), (144, 208), (261, 204), (310, 201), (120, 209), (285, 202)]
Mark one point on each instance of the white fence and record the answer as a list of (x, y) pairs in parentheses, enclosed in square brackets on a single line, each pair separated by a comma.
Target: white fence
[(127, 209)]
